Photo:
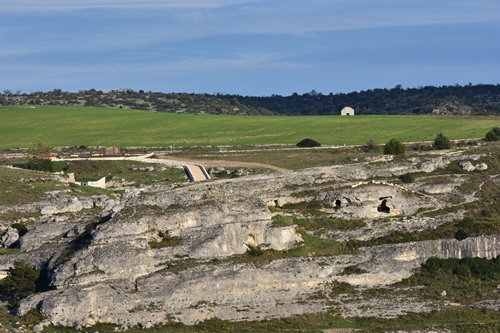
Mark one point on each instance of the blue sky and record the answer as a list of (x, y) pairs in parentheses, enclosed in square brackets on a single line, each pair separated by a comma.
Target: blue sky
[(247, 47)]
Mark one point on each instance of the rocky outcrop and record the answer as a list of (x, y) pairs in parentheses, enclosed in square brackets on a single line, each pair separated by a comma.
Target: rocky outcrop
[(242, 291), (179, 252), (66, 204), (10, 237), (376, 202)]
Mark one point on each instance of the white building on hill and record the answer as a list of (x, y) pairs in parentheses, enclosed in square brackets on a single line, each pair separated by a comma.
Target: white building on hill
[(347, 111)]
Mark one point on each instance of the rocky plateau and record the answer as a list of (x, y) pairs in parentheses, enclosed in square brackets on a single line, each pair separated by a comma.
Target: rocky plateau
[(100, 258)]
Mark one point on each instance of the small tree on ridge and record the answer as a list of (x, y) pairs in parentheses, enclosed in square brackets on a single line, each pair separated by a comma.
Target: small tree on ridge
[(394, 147), (441, 142)]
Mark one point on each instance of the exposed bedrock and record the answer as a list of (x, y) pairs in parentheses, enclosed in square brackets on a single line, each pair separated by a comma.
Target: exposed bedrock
[(118, 266), (241, 291)]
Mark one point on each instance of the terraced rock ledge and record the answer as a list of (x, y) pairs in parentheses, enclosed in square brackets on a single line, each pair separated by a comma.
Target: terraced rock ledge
[(263, 246)]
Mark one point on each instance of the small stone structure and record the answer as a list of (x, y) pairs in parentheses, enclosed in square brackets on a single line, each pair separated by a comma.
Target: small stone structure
[(347, 111), (101, 183), (112, 150)]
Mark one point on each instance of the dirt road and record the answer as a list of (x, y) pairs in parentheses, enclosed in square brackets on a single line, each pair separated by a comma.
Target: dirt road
[(221, 163)]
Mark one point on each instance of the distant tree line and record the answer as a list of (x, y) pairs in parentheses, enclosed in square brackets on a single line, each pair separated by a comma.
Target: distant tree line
[(469, 99), (456, 99)]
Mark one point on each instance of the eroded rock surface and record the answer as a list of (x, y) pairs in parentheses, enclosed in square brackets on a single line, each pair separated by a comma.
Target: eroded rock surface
[(164, 253)]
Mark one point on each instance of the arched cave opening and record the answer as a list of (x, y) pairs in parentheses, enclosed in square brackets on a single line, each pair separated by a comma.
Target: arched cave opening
[(338, 204), (382, 208)]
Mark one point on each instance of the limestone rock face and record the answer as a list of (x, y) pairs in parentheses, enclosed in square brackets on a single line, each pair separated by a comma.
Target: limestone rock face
[(376, 201), (65, 204), (179, 253), (10, 237), (243, 291), (434, 164)]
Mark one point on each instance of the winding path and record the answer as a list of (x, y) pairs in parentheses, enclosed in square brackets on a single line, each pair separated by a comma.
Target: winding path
[(220, 163)]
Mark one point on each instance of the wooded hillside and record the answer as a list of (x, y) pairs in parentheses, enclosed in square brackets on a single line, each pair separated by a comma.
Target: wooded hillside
[(469, 99)]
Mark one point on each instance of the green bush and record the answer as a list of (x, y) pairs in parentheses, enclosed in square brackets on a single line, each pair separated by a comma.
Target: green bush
[(465, 280), (308, 143), (493, 134), (40, 164), (371, 144), (461, 234), (21, 281), (338, 288), (441, 142), (465, 223), (166, 241), (407, 178), (254, 251), (39, 147), (354, 269), (394, 147)]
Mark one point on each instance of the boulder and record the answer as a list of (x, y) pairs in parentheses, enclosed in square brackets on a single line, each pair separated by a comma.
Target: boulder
[(481, 166), (10, 237), (467, 166)]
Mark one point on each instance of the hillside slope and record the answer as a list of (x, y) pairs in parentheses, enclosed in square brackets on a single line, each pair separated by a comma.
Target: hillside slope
[(470, 99)]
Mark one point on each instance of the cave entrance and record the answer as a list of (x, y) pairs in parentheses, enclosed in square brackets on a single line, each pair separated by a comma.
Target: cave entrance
[(382, 208), (338, 204)]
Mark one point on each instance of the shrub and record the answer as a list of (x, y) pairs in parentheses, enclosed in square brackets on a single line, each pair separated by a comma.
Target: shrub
[(40, 164), (407, 178), (466, 223), (461, 234), (166, 241), (338, 288), (21, 281), (493, 134), (394, 147), (441, 142), (308, 143), (351, 270), (39, 147), (371, 144), (254, 251)]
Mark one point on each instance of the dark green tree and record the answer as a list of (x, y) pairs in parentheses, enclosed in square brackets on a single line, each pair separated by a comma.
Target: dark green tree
[(21, 281), (407, 178), (441, 142), (40, 164), (308, 143), (493, 134), (394, 147)]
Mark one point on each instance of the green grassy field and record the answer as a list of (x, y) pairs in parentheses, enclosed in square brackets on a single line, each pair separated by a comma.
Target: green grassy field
[(20, 126)]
